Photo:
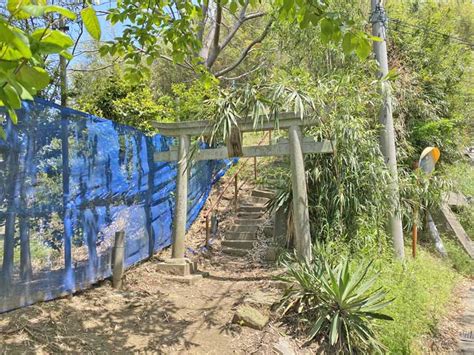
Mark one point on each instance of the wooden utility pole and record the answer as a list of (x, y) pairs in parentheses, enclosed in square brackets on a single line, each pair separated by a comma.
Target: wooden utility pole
[(387, 133)]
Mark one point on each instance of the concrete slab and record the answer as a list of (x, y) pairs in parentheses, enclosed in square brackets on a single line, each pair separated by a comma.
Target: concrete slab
[(188, 279), (249, 222), (263, 193), (177, 267), (252, 208), (240, 235), (235, 252), (250, 215), (239, 244), (245, 229)]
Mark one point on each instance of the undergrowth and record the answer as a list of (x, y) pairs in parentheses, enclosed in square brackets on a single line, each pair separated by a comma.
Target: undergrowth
[(422, 289)]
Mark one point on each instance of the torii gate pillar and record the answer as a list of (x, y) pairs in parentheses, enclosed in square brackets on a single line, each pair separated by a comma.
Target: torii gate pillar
[(181, 207), (300, 195)]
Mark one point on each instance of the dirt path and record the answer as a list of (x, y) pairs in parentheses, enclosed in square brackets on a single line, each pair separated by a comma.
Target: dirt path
[(150, 314), (466, 323), (153, 313)]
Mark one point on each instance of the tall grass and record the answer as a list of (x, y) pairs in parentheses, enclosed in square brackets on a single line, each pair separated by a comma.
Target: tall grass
[(422, 290)]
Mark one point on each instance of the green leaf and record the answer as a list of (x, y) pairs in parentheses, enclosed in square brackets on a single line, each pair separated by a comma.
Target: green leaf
[(334, 332), (12, 115), (14, 7), (91, 22), (40, 10), (233, 7), (326, 30), (33, 10), (3, 134), (52, 41), (60, 10), (66, 55), (316, 326), (15, 39), (13, 99), (33, 79), (347, 45), (363, 48)]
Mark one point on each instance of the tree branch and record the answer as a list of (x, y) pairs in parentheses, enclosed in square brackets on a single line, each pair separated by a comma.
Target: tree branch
[(246, 51), (214, 51), (244, 74), (202, 23), (237, 26)]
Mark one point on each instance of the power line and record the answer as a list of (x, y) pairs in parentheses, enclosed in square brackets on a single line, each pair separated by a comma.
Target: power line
[(432, 31)]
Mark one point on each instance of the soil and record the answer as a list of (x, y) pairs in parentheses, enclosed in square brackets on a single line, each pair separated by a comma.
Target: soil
[(152, 313)]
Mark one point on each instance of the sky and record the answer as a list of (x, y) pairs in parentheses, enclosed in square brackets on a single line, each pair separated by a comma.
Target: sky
[(108, 33)]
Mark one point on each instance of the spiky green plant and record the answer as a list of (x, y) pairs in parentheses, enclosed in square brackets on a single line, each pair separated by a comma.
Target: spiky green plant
[(334, 304)]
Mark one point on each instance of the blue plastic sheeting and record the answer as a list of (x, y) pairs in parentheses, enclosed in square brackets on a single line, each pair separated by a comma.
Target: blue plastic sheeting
[(68, 182)]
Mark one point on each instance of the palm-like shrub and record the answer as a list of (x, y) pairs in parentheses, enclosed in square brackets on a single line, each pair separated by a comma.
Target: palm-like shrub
[(335, 305)]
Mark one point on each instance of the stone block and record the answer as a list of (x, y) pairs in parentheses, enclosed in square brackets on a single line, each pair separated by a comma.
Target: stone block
[(250, 317), (177, 267), (271, 254)]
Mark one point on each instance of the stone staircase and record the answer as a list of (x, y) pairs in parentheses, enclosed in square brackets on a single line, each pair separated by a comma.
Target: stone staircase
[(252, 214)]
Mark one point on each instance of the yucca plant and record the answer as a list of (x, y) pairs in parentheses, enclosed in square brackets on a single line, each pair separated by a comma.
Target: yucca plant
[(335, 305)]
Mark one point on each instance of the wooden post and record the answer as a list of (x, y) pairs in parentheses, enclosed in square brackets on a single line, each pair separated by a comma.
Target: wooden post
[(236, 191), (118, 259), (181, 195), (255, 168), (300, 196), (207, 230), (414, 236)]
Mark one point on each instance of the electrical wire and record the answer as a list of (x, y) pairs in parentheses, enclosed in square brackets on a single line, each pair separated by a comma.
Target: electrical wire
[(430, 31)]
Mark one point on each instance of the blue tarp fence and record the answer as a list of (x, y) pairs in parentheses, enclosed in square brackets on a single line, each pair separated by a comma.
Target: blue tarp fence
[(68, 182)]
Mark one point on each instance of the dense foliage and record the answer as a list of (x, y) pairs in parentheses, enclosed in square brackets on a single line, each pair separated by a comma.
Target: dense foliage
[(24, 48)]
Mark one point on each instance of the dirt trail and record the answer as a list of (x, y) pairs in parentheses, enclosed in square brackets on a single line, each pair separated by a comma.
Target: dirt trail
[(466, 323), (150, 314), (153, 313)]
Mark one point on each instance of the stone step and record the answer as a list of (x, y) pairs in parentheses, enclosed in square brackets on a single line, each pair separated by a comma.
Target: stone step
[(252, 200), (238, 244), (263, 193), (235, 252), (250, 215), (249, 208), (245, 229), (240, 235), (249, 222)]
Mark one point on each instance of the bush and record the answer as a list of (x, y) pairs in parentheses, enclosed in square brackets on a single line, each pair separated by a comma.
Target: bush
[(334, 304), (422, 289)]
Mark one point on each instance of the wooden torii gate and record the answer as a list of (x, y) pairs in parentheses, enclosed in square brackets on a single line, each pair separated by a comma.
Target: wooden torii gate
[(295, 147)]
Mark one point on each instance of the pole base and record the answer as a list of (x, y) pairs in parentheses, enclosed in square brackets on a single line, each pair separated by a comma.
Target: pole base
[(182, 267)]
